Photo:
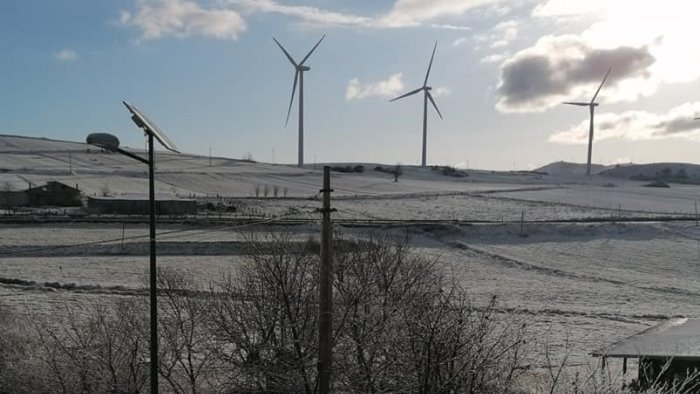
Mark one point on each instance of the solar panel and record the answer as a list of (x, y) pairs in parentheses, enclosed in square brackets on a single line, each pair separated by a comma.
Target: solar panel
[(151, 128)]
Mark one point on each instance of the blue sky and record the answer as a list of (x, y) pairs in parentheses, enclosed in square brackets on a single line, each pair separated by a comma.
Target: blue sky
[(209, 74)]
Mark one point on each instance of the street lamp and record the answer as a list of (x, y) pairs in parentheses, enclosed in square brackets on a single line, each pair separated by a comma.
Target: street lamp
[(111, 143)]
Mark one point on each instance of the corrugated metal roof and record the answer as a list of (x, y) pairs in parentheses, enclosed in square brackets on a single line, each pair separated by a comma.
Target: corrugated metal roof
[(140, 197), (677, 337)]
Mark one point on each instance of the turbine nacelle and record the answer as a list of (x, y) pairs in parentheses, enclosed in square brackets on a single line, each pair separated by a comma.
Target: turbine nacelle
[(428, 87), (303, 68)]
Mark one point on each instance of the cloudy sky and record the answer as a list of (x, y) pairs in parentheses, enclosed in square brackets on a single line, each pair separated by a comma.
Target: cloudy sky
[(209, 73)]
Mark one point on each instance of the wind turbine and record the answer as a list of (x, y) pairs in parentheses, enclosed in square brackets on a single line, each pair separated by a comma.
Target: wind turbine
[(298, 77), (591, 105), (426, 96)]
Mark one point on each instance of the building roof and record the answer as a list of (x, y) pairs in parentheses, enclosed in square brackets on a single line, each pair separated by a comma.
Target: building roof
[(676, 337), (139, 197)]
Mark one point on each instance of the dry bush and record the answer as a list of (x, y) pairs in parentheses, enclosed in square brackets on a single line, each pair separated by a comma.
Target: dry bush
[(402, 327), (186, 352), (397, 327), (96, 349), (264, 319), (20, 371)]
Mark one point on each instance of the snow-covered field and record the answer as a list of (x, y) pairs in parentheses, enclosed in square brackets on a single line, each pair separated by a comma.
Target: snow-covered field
[(585, 284)]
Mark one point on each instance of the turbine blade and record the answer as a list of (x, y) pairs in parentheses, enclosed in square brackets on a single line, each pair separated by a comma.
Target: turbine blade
[(425, 83), (601, 84), (291, 99), (286, 53), (407, 94), (579, 104), (312, 50), (430, 96)]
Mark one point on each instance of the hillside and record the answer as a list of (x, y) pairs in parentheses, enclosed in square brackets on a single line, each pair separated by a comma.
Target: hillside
[(670, 172), (564, 168), (26, 160)]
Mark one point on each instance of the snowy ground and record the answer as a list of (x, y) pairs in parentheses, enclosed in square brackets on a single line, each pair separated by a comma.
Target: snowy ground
[(585, 284), (590, 284)]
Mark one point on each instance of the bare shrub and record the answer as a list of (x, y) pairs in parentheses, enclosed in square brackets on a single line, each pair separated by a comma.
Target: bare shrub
[(397, 328), (96, 349), (264, 319), (20, 371), (403, 330), (186, 353)]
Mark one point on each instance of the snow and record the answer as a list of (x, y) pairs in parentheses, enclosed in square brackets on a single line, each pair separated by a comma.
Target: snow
[(587, 285)]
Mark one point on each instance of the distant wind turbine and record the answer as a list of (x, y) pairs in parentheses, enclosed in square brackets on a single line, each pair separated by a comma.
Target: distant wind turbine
[(299, 77), (591, 105), (426, 96)]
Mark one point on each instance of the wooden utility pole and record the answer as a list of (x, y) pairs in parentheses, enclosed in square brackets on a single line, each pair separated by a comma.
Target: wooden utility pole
[(325, 311)]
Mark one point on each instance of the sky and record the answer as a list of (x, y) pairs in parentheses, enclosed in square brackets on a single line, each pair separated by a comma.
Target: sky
[(209, 74)]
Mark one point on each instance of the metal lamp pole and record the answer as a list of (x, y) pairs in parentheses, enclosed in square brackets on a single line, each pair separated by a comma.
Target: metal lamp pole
[(153, 288), (110, 142)]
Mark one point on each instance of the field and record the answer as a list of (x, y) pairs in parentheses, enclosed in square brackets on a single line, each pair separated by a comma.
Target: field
[(562, 252)]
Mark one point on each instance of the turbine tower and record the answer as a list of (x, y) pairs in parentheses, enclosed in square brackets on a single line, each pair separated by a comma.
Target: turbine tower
[(298, 77), (591, 105), (426, 96)]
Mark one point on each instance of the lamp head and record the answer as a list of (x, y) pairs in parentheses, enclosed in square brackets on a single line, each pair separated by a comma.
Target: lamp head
[(103, 140)]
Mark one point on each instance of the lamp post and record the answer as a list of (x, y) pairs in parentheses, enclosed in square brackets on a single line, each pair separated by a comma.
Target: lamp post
[(111, 143)]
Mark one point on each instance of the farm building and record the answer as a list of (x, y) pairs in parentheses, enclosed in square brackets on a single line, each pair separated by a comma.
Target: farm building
[(138, 205), (53, 193), (668, 353), (17, 192)]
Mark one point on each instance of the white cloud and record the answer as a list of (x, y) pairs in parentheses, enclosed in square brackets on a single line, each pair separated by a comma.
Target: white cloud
[(460, 41), (494, 58), (508, 30), (404, 13), (414, 12), (160, 18), (558, 8), (390, 87), (441, 91), (501, 36), (678, 123), (66, 55), (310, 15)]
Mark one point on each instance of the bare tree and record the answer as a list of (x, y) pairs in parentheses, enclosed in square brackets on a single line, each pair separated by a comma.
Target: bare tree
[(187, 351), (264, 318), (97, 349), (402, 330)]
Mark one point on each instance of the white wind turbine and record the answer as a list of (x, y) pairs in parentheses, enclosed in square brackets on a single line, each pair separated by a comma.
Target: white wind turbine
[(591, 105), (298, 77), (426, 96)]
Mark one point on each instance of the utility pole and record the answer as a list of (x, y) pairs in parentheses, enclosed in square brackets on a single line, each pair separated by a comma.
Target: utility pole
[(325, 311)]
